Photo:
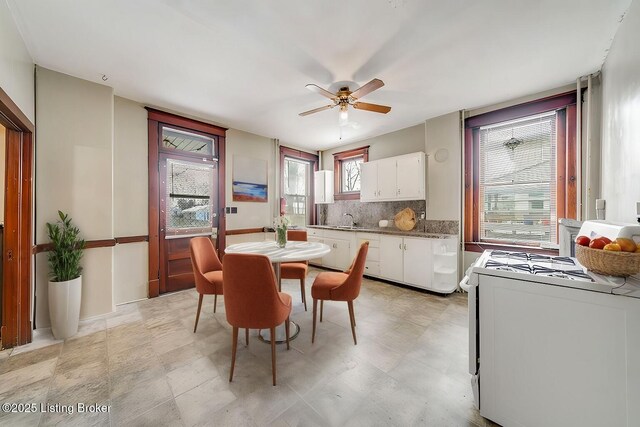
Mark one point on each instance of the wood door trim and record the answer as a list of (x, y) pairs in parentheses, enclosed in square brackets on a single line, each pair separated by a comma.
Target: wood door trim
[(15, 326), (13, 113), (155, 120), (173, 119)]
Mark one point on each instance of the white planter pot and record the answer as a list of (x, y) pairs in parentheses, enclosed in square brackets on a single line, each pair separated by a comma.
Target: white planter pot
[(64, 307)]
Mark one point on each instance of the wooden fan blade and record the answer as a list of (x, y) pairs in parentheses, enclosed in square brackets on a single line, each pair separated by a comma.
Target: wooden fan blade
[(315, 110), (372, 107), (319, 90), (367, 88)]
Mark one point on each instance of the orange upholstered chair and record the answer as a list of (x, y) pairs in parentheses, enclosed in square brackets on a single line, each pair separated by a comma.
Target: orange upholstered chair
[(335, 286), (252, 300), (296, 270), (207, 270)]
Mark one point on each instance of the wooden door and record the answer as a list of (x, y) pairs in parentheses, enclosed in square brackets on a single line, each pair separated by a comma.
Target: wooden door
[(17, 241), (188, 208)]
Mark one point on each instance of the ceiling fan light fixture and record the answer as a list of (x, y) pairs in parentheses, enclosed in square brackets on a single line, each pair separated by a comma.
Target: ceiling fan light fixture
[(343, 117)]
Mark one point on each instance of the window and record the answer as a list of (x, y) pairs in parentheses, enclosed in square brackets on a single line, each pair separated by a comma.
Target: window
[(297, 176), (189, 187), (297, 202), (350, 179), (346, 167), (175, 139), (517, 161)]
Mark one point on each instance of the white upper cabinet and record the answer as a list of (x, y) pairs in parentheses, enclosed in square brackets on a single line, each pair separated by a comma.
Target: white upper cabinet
[(323, 186), (411, 177), (387, 187), (394, 178), (369, 181)]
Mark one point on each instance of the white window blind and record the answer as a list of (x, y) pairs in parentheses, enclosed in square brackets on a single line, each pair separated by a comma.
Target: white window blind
[(517, 181), (297, 191)]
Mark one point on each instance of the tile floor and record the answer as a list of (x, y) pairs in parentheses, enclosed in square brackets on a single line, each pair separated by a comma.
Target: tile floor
[(145, 362)]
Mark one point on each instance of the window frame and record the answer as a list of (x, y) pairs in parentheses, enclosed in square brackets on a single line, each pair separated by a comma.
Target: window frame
[(564, 105), (338, 160), (313, 159)]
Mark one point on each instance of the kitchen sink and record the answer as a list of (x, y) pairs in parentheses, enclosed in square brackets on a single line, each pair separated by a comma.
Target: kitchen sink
[(349, 227)]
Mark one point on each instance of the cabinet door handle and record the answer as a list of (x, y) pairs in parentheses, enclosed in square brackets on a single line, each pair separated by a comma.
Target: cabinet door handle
[(400, 246), (405, 246), (335, 245)]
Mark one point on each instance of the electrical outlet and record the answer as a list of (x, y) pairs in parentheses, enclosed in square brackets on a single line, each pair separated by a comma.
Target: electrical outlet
[(234, 210)]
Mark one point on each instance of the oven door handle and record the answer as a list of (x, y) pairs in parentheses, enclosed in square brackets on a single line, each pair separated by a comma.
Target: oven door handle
[(464, 283)]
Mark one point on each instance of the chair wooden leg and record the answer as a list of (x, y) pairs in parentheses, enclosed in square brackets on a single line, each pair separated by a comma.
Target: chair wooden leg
[(321, 307), (313, 331), (198, 312), (234, 347), (352, 318), (286, 328), (273, 354), (304, 296), (215, 302), (246, 336)]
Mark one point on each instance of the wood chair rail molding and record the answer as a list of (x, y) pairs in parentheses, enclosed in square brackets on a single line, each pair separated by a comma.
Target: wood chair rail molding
[(92, 244), (244, 231)]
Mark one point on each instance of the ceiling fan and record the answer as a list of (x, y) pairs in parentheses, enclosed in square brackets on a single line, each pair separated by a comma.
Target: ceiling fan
[(344, 97)]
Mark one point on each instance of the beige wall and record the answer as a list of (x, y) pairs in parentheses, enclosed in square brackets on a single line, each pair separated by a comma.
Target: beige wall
[(2, 170), (404, 141), (74, 155), (250, 214), (621, 120), (443, 173), (130, 200), (16, 65)]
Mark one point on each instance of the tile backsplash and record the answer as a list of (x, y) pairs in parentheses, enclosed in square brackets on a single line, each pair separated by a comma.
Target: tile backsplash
[(368, 214)]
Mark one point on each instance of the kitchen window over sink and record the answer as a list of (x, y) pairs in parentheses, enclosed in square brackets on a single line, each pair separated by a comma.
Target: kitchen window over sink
[(346, 167), (517, 161)]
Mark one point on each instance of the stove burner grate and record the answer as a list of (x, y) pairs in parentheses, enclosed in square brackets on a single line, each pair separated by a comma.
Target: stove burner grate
[(532, 257)]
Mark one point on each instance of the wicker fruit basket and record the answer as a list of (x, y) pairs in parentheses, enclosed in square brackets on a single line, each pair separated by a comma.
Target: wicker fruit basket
[(609, 262)]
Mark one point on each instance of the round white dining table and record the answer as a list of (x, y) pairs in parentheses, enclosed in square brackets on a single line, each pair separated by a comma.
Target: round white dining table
[(293, 251)]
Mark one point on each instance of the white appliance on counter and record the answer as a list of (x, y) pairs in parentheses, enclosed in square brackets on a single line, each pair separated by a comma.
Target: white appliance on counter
[(551, 344)]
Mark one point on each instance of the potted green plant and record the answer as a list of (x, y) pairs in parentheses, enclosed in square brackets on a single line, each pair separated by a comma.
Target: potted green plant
[(65, 276)]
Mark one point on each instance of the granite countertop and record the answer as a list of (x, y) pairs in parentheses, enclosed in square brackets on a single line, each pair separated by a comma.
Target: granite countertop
[(386, 230)]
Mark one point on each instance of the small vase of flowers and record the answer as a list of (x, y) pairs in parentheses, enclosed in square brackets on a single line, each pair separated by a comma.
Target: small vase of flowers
[(281, 224)]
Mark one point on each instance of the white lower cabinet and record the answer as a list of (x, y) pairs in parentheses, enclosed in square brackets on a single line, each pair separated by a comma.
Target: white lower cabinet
[(410, 260), (417, 262), (339, 256), (425, 263), (391, 258)]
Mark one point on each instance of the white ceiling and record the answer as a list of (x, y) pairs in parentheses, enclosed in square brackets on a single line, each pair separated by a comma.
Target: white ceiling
[(245, 64)]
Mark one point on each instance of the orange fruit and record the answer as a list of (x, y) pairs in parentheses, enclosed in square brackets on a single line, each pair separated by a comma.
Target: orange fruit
[(612, 247), (627, 245)]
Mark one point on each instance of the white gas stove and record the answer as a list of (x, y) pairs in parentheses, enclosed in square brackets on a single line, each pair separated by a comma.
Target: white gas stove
[(552, 270), (543, 327)]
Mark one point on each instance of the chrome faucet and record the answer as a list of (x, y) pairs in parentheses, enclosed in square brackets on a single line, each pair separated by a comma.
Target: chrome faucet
[(353, 223)]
